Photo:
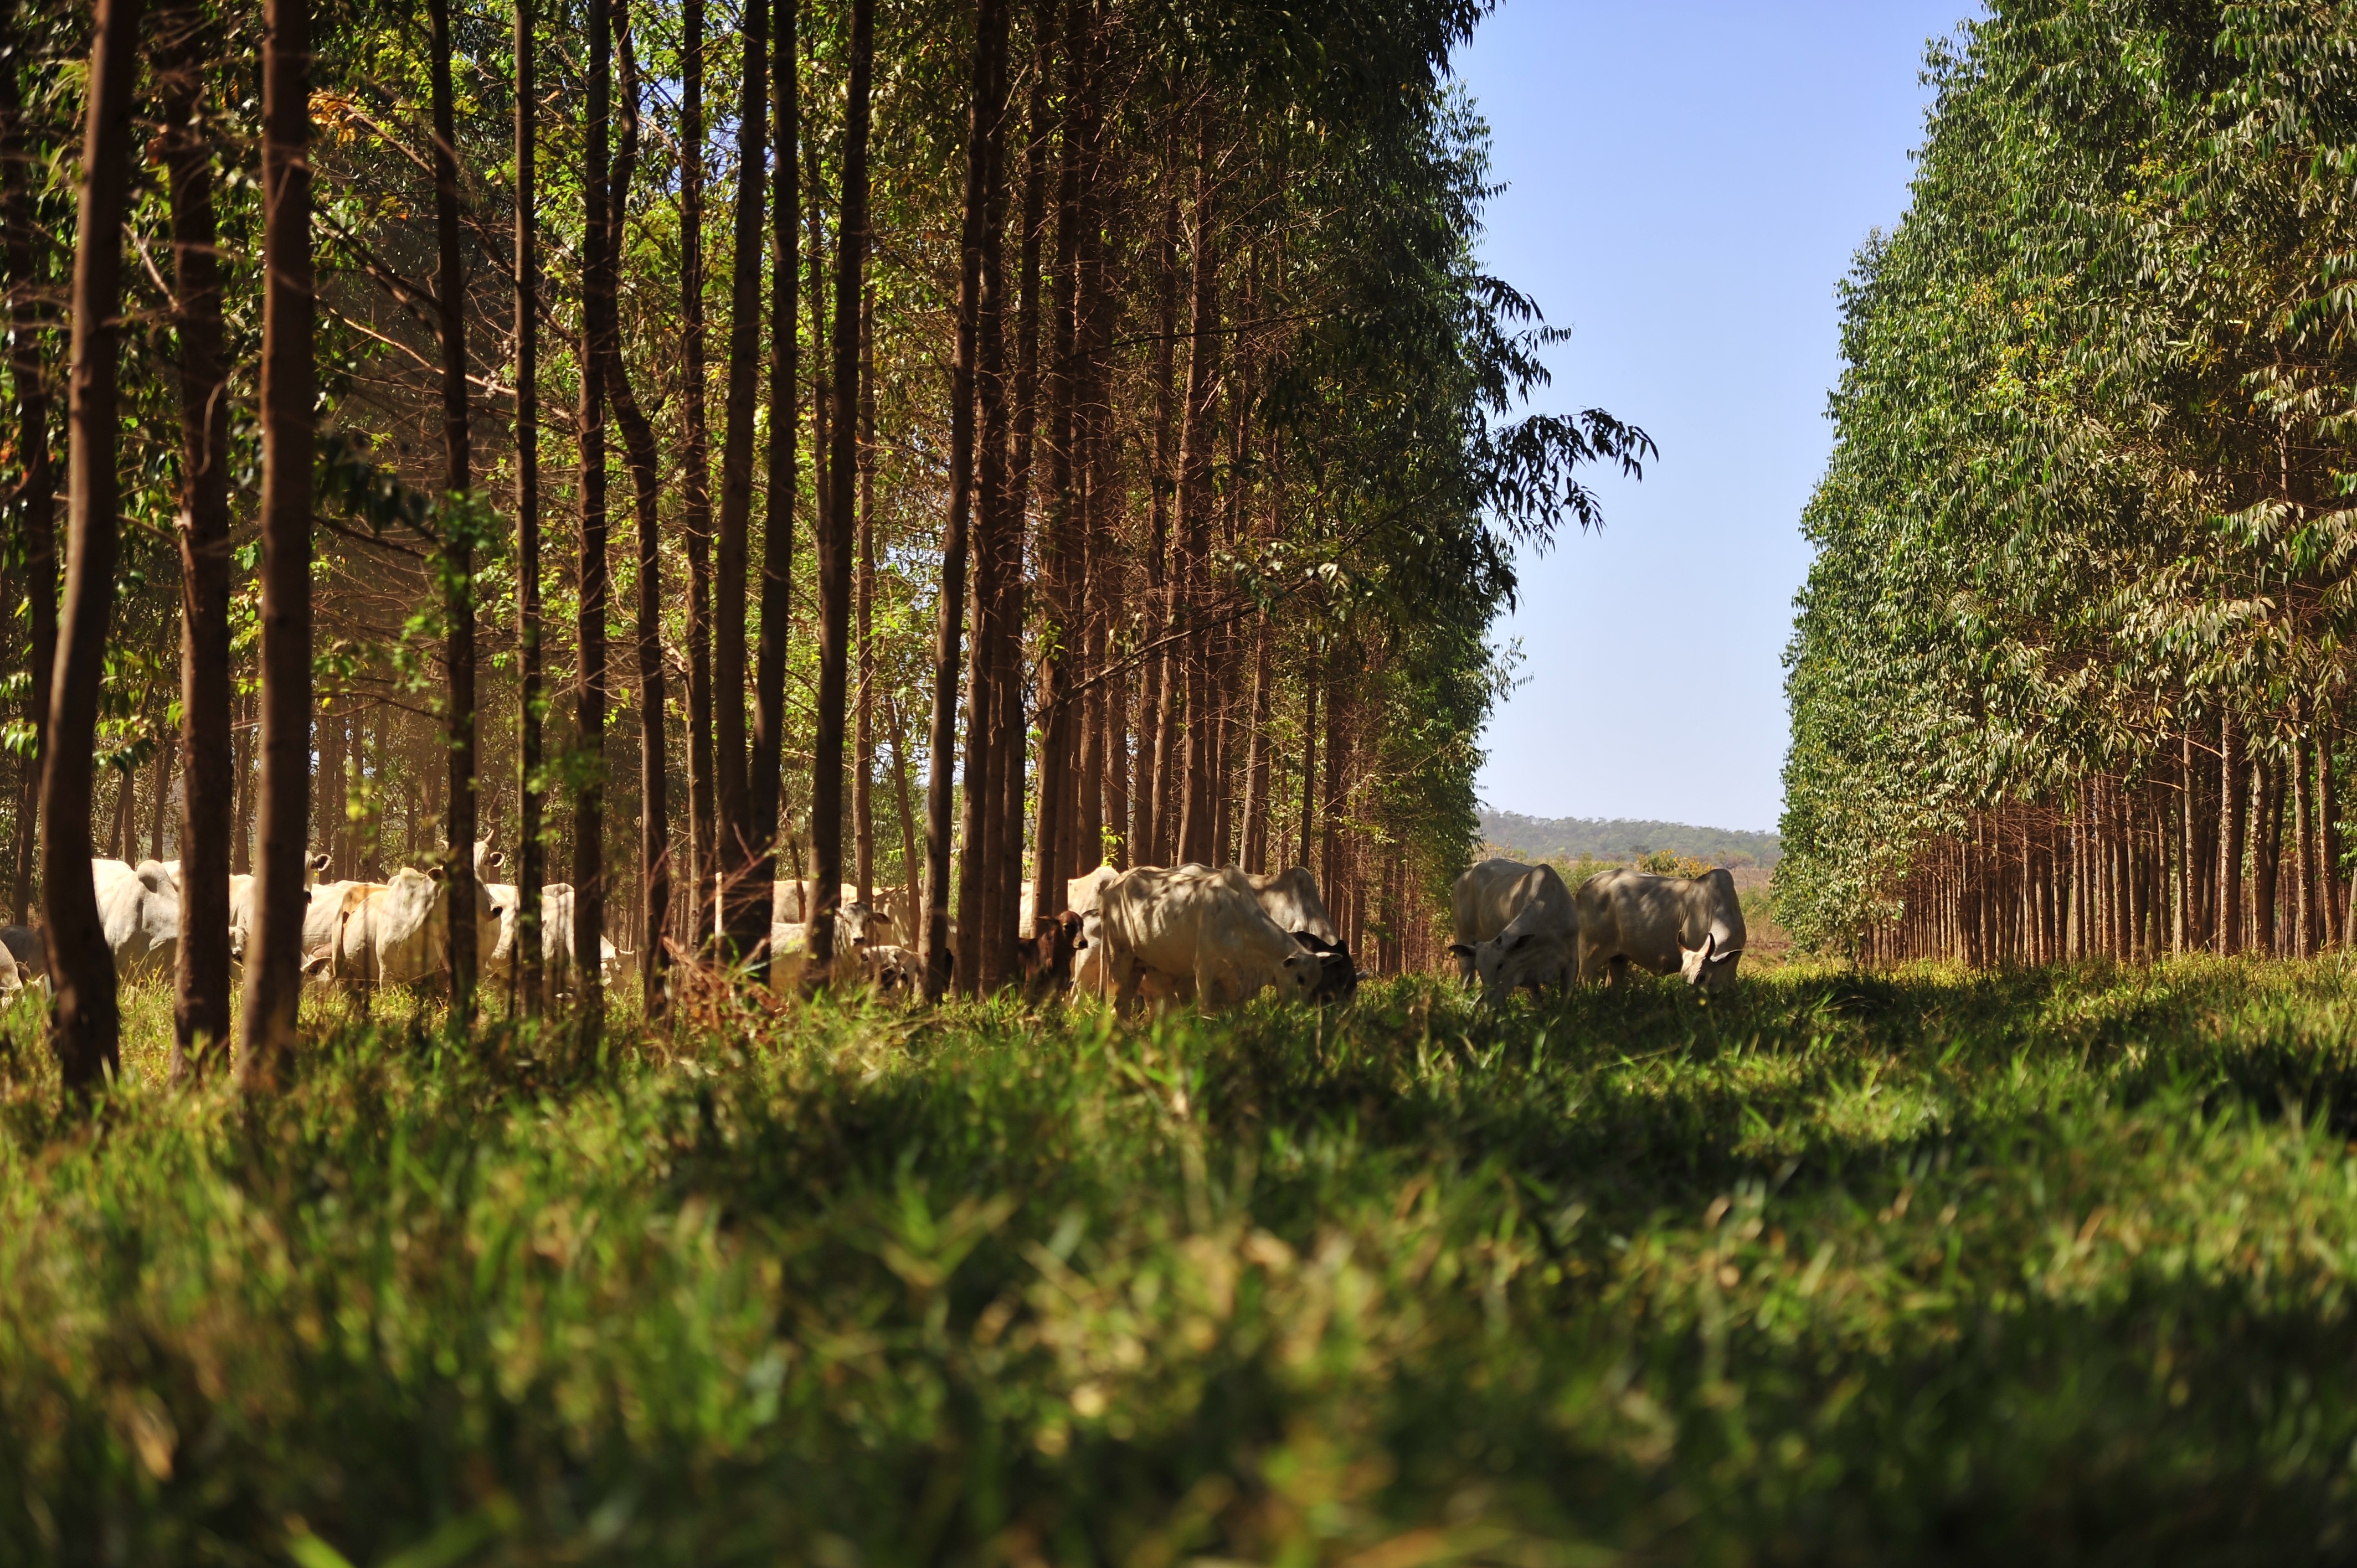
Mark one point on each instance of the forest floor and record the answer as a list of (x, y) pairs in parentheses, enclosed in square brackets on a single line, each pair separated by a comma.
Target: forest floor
[(2054, 1266)]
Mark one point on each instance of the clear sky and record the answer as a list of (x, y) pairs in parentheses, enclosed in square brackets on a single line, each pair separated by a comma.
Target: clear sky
[(1687, 180)]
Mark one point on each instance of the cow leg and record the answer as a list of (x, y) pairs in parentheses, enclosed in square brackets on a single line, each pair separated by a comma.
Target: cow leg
[(1618, 967), (1124, 983)]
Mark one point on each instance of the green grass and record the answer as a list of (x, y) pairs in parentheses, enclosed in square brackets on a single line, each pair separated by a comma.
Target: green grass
[(2047, 1267)]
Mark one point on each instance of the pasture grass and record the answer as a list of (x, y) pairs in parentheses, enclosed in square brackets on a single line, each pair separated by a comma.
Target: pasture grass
[(2052, 1267)]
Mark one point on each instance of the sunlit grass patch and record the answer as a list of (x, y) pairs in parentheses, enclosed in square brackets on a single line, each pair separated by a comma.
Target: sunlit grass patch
[(2044, 1265)]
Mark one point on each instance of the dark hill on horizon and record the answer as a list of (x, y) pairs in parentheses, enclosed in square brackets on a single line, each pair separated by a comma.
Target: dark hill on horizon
[(1622, 839)]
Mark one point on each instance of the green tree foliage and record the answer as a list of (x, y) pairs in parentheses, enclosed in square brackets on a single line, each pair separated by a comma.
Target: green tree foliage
[(2084, 548)]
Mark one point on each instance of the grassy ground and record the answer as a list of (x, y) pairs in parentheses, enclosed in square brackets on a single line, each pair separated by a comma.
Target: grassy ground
[(2044, 1267)]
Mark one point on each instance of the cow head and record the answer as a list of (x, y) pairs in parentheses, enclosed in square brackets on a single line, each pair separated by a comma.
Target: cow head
[(1710, 968), (1507, 963), (1303, 972), (1338, 975), (1463, 952)]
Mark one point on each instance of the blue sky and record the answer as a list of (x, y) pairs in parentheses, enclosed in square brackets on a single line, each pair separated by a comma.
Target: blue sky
[(1687, 180)]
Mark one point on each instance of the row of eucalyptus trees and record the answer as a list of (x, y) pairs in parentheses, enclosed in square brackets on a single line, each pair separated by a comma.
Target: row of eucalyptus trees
[(1156, 444), (2069, 676)]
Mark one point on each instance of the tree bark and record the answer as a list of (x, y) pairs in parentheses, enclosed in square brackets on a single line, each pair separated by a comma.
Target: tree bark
[(745, 906), (526, 969), (646, 486), (200, 1009), (590, 732), (834, 543), (863, 727), (274, 960), (695, 484), (985, 122), (2267, 853), (1196, 843), (458, 537), (86, 1025), (768, 783), (1059, 544), (36, 490)]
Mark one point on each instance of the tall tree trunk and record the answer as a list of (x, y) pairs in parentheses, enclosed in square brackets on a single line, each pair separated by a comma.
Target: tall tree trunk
[(1255, 824), (1059, 544), (2333, 911), (1004, 841), (1155, 706), (240, 852), (274, 960), (200, 1010), (778, 539), (2267, 853), (912, 889), (85, 1023), (696, 487), (459, 525), (834, 542), (35, 495), (2303, 816), (157, 797), (589, 724), (1312, 682), (1195, 511), (639, 455), (977, 240), (526, 969), (745, 906), (863, 728), (981, 825)]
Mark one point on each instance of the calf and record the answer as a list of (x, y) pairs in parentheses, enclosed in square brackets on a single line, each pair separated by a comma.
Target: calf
[(1485, 902), (1692, 924), (1536, 948)]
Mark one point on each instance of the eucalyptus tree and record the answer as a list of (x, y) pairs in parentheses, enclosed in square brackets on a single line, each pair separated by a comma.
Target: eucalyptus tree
[(87, 1023)]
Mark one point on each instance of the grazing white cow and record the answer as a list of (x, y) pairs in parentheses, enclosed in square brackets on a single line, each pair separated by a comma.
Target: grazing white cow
[(1291, 899), (324, 915), (1691, 925), (1485, 902), (139, 909), (556, 940), (400, 932), (12, 981), (1206, 926), (1536, 948)]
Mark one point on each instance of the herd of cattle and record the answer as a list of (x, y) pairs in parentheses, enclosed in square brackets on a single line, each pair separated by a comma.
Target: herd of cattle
[(1211, 937)]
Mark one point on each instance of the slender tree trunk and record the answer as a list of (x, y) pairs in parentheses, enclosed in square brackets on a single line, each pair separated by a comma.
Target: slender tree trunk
[(834, 526), (911, 889), (696, 487), (1255, 829), (1058, 544), (746, 905), (158, 799), (274, 960), (35, 495), (2303, 816), (986, 120), (1005, 845), (201, 1012), (981, 828), (240, 861), (2328, 842), (863, 734), (589, 729), (1196, 843), (1311, 684), (526, 969), (778, 538), (2267, 853), (1155, 701), (639, 455), (85, 1023), (457, 538)]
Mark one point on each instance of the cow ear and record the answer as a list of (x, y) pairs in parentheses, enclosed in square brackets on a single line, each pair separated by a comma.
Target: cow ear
[(1515, 941), (1462, 950)]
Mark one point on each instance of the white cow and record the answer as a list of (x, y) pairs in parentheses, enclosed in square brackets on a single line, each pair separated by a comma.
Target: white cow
[(400, 932), (556, 940), (139, 909), (1536, 948), (1485, 902), (1292, 900), (1692, 924), (1202, 924)]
